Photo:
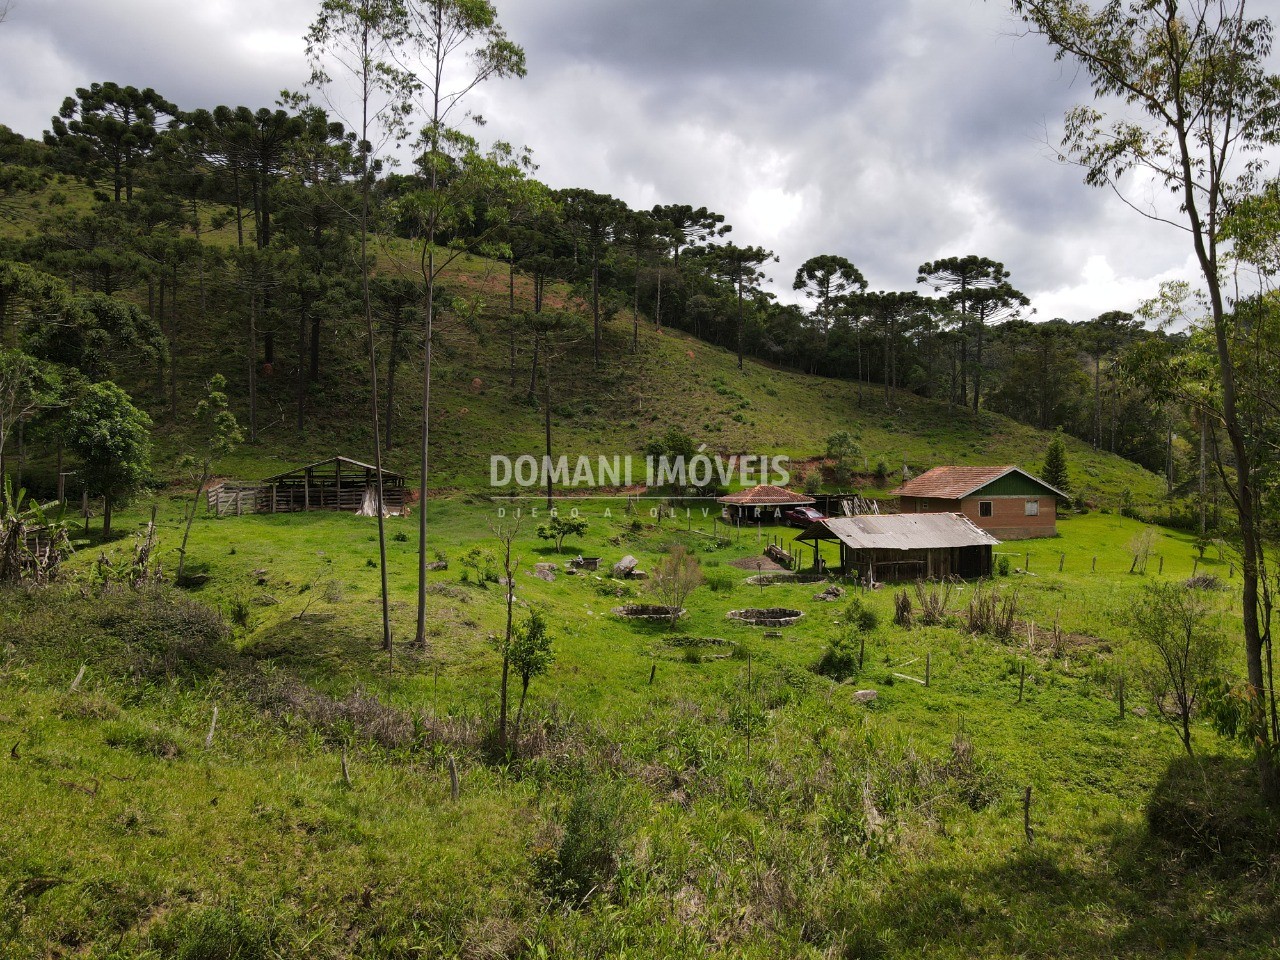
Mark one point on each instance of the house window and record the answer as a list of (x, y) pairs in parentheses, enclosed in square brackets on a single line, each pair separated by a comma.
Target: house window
[(1033, 508), (984, 508)]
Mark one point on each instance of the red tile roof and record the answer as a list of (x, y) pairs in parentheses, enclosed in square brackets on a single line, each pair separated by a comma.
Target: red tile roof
[(766, 496), (950, 483)]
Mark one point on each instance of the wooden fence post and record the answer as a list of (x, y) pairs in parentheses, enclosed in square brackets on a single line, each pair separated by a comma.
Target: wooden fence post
[(213, 726), (454, 786), (1026, 816), (1061, 560), (928, 668)]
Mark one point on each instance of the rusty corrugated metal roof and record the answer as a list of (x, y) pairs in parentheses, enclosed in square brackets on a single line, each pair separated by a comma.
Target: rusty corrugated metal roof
[(766, 495), (337, 461), (901, 531)]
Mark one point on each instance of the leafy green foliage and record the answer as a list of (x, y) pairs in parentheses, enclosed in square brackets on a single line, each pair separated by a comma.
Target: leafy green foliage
[(1054, 472), (843, 451), (591, 842), (561, 526), (861, 616), (112, 439), (840, 660)]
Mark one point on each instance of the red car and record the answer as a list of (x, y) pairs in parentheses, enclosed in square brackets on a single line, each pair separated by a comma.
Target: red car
[(802, 516)]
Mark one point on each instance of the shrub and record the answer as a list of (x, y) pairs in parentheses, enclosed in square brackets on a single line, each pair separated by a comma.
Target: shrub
[(720, 581), (1002, 566), (587, 855), (841, 659), (860, 616)]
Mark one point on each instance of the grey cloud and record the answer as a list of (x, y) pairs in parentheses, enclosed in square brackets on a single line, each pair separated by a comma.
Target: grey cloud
[(890, 131)]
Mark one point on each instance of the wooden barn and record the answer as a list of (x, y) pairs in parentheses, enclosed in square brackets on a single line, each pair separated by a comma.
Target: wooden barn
[(763, 503), (898, 547), (1007, 502), (338, 483)]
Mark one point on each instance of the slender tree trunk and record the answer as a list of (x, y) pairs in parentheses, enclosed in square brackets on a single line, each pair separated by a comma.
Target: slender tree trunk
[(524, 692), (977, 364), (313, 372), (172, 334), (253, 365), (546, 406), (301, 398), (657, 310), (595, 307), (392, 363), (367, 306), (740, 321), (1097, 400), (1203, 475), (191, 518), (635, 311), (420, 638), (511, 320), (1204, 241), (533, 367)]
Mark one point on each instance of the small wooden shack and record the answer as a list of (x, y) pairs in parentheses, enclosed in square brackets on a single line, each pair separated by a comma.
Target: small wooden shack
[(763, 503), (928, 546), (338, 483)]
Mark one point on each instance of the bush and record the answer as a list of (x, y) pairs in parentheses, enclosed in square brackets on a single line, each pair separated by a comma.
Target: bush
[(1002, 566), (720, 581), (840, 660), (860, 616), (590, 846)]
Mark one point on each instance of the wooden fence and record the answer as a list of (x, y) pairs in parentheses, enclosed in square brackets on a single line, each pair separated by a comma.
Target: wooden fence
[(232, 499)]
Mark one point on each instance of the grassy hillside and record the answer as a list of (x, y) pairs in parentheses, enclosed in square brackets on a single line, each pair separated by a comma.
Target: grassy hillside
[(737, 804), (673, 381)]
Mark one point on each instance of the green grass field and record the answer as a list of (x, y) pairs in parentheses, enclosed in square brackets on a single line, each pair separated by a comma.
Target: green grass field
[(891, 829)]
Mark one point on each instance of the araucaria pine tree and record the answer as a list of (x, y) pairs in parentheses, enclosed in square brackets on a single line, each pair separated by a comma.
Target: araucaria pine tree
[(1054, 472)]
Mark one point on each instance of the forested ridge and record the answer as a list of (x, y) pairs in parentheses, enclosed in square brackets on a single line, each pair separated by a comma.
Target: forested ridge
[(232, 231)]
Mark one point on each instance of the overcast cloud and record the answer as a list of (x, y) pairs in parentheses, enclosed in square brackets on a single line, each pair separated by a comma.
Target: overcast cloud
[(888, 131)]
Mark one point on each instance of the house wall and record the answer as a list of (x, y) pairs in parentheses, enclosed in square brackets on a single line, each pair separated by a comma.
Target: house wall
[(1008, 520)]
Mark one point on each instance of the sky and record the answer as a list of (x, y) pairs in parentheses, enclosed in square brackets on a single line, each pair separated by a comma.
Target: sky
[(890, 132)]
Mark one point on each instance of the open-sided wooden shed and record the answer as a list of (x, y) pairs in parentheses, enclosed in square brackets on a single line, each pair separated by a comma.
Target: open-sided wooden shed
[(338, 483), (761, 503), (925, 546)]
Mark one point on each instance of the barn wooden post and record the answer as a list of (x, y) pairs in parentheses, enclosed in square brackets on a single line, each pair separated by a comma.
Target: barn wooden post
[(306, 489), (273, 498), (337, 490)]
